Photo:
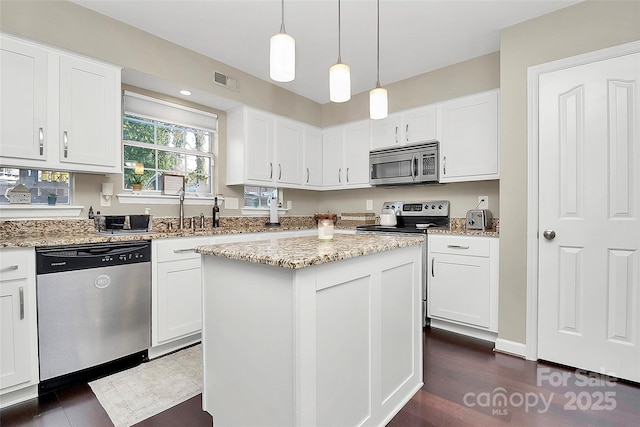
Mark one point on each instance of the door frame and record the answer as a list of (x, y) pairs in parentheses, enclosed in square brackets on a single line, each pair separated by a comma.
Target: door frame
[(533, 241)]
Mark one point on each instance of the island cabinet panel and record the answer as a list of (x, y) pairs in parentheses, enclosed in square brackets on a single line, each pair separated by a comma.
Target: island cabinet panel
[(344, 352), (334, 344)]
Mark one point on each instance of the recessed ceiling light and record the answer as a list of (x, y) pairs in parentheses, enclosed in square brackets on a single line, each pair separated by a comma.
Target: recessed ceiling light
[(185, 92)]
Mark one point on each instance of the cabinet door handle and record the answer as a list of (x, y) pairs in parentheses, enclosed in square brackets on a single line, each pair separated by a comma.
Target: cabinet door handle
[(279, 171), (307, 175), (182, 251), (270, 170), (340, 176), (444, 165), (347, 174), (396, 134), (10, 268), (65, 141), (41, 139), (457, 247), (406, 132), (433, 261), (21, 293)]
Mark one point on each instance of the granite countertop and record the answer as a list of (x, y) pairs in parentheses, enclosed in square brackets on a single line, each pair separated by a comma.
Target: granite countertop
[(34, 233), (300, 252)]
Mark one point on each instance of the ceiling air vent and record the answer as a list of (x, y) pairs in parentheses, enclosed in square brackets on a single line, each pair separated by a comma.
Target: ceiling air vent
[(226, 81)]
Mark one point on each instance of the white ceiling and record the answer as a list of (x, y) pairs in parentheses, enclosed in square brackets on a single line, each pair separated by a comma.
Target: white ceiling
[(415, 36)]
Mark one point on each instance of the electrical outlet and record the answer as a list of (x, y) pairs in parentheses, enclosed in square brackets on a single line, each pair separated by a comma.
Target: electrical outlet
[(369, 205), (105, 200), (483, 202)]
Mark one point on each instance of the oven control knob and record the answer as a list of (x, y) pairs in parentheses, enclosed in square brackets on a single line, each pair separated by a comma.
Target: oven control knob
[(433, 206), (426, 206), (440, 207)]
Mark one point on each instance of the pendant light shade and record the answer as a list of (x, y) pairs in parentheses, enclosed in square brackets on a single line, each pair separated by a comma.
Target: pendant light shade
[(378, 103), (378, 100), (282, 57), (339, 82), (339, 75)]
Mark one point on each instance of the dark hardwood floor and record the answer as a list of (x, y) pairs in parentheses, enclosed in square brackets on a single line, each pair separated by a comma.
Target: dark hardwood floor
[(464, 383)]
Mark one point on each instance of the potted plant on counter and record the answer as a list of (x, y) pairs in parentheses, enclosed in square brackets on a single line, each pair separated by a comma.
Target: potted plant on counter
[(52, 199)]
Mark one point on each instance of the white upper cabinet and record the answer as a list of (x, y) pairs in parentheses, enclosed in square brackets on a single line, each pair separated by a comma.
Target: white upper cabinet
[(59, 111), (332, 159), (89, 114), (469, 149), (312, 171), (289, 150), (345, 159), (408, 127), (263, 149), (23, 109), (356, 154)]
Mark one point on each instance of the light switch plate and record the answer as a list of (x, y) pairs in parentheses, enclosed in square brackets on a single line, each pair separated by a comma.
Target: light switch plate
[(369, 205), (289, 204), (230, 203)]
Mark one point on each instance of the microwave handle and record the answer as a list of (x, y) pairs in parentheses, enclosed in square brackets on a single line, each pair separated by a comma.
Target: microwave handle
[(414, 160)]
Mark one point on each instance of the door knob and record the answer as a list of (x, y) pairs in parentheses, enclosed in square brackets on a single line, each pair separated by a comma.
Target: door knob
[(549, 234)]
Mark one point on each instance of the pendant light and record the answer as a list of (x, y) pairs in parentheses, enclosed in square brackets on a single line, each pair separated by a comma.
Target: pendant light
[(282, 58), (378, 103), (339, 75)]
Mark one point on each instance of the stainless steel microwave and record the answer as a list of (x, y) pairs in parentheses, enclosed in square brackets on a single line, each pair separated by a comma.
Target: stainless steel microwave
[(408, 164)]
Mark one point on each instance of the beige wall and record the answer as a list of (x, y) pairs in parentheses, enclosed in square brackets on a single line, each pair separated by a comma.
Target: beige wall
[(465, 78), (578, 29)]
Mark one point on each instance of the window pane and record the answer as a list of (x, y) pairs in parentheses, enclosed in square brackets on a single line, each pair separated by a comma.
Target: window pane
[(137, 129), (40, 183), (170, 162), (197, 180), (171, 136), (133, 155), (257, 197)]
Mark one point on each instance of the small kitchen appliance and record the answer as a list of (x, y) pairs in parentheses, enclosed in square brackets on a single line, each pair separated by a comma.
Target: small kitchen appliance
[(407, 164), (412, 218), (478, 219), (123, 224)]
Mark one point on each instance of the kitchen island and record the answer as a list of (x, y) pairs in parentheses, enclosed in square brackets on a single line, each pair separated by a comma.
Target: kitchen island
[(301, 332)]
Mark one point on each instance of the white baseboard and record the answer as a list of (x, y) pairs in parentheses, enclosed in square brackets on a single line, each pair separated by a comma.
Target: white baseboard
[(18, 396), (464, 330), (511, 347), (172, 346)]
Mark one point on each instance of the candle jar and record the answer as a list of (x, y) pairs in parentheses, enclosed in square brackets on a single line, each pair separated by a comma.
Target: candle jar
[(325, 229)]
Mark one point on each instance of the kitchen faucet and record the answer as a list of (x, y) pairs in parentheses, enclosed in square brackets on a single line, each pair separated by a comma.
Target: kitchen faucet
[(181, 220)]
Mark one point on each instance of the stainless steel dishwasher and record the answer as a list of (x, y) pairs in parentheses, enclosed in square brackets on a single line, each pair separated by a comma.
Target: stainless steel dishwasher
[(94, 304)]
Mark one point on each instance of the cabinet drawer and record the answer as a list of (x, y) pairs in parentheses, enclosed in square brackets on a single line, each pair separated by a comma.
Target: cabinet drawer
[(179, 249), (460, 245), (15, 263)]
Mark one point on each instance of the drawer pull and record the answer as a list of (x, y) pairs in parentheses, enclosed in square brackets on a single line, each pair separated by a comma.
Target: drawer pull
[(21, 292), (182, 251), (457, 247), (11, 268)]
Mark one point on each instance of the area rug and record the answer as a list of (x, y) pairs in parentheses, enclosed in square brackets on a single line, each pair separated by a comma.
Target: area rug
[(136, 394)]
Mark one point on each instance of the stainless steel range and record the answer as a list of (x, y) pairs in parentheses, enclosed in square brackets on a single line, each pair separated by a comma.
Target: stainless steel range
[(413, 217)]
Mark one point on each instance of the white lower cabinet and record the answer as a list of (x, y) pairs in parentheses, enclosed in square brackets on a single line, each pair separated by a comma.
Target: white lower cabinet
[(462, 283), (176, 289), (18, 326)]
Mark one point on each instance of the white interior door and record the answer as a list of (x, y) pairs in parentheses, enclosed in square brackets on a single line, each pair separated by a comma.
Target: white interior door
[(589, 191)]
